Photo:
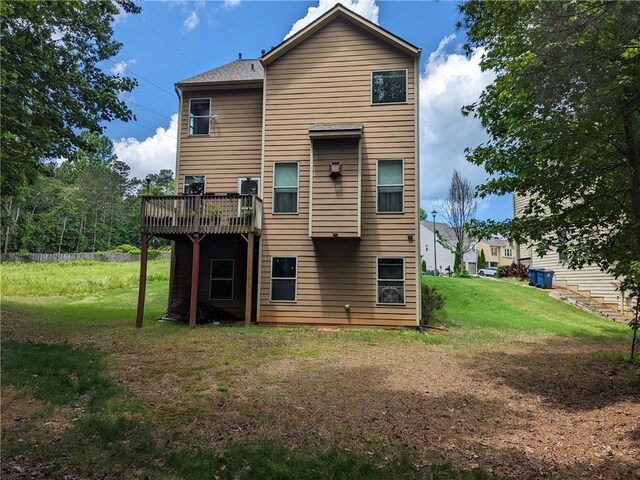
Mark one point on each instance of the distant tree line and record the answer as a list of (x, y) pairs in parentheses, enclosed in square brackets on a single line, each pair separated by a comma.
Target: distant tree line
[(87, 203)]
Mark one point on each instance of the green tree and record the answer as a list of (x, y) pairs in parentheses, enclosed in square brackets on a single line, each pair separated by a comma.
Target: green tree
[(482, 260), (423, 214), (52, 86), (563, 118)]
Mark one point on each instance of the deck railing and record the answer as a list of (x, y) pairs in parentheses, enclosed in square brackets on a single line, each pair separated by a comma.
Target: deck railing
[(187, 214)]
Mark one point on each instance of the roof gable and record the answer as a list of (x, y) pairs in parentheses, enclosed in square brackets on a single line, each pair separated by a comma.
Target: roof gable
[(339, 11)]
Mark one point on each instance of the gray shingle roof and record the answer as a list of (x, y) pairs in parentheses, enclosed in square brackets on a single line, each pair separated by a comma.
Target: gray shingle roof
[(236, 71)]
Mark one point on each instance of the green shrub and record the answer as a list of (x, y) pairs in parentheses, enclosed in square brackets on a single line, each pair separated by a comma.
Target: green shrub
[(463, 273), (101, 257), (431, 301), (152, 253), (516, 270), (125, 248), (24, 254), (424, 266)]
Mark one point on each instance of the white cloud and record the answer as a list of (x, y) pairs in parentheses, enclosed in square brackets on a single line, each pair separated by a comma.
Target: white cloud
[(449, 82), (151, 154), (119, 68), (231, 3), (367, 8), (191, 21)]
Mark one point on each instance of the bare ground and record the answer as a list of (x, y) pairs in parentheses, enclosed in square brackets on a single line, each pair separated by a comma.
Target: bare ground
[(550, 408)]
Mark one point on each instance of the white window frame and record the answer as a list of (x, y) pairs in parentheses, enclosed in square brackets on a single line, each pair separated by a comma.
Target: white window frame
[(508, 252), (184, 182), (494, 249), (404, 280), (272, 278), (199, 116), (233, 274), (273, 181), (406, 90), (241, 179), (378, 185)]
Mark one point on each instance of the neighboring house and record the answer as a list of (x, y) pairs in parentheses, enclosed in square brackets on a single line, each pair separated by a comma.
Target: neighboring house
[(589, 281), (297, 176), (497, 251), (444, 256)]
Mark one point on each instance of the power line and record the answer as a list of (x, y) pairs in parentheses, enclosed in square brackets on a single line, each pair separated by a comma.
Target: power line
[(153, 130), (171, 44), (146, 108), (120, 65)]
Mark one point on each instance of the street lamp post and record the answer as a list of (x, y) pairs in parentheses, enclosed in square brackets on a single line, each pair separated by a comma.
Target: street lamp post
[(435, 258)]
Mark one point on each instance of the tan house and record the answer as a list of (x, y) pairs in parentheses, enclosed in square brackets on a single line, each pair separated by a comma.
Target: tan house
[(297, 180), (590, 281), (497, 251)]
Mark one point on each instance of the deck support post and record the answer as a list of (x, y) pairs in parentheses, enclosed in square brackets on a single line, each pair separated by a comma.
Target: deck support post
[(144, 241), (195, 275), (249, 289)]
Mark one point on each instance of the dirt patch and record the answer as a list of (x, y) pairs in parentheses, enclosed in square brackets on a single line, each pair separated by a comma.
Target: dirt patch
[(550, 408)]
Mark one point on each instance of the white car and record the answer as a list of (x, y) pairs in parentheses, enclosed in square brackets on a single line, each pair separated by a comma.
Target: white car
[(488, 272)]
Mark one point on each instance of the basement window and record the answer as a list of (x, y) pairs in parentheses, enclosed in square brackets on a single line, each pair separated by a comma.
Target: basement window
[(221, 280), (199, 116), (284, 277), (389, 86), (391, 281)]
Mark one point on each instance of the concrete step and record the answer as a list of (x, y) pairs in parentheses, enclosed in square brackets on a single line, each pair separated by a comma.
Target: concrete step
[(588, 305)]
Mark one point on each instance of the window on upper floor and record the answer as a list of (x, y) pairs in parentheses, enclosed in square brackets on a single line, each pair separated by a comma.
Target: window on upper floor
[(508, 252), (221, 280), (494, 251), (285, 187), (390, 186), (391, 281), (284, 276), (193, 184), (389, 86), (199, 116)]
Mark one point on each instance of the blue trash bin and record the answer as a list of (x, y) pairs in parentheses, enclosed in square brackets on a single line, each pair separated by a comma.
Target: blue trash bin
[(540, 277), (533, 276), (548, 279)]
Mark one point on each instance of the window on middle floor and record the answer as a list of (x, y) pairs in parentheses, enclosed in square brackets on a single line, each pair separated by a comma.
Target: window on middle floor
[(194, 184), (285, 188), (390, 186)]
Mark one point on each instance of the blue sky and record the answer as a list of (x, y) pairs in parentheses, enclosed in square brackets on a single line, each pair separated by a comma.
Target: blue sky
[(171, 41)]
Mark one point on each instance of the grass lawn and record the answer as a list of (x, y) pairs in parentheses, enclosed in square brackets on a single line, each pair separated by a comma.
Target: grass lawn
[(519, 385)]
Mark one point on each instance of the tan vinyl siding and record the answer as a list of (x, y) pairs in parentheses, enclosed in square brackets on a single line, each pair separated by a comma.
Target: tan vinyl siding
[(335, 200), (233, 147), (589, 280), (327, 79), (523, 252)]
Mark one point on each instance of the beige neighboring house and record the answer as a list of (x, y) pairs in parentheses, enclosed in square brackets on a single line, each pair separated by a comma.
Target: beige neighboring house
[(589, 281), (297, 180), (497, 251)]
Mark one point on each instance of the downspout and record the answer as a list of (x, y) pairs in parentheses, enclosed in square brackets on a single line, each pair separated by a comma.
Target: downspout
[(416, 94), (172, 268)]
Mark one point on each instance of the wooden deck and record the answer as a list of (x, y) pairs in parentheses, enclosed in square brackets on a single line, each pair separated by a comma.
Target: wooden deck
[(200, 214)]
